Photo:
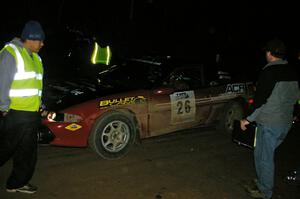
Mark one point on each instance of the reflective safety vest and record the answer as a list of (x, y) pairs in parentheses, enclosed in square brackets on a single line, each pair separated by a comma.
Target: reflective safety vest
[(26, 89), (101, 55)]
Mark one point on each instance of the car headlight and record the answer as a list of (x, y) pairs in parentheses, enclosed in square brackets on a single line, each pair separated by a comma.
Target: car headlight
[(63, 117)]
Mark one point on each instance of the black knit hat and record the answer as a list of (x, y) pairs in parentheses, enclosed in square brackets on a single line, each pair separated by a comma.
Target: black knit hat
[(33, 31), (276, 47)]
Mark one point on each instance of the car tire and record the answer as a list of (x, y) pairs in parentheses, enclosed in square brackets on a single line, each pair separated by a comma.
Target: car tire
[(233, 110), (113, 135)]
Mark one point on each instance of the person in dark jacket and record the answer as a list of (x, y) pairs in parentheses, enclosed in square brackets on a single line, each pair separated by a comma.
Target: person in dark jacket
[(21, 80), (277, 92)]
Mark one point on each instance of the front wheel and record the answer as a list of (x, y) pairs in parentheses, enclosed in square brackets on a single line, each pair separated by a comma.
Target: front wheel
[(113, 135)]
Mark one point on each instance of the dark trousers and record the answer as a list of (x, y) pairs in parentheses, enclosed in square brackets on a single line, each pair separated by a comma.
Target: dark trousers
[(18, 140)]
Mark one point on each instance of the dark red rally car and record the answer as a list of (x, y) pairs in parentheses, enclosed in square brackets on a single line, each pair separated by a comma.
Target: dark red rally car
[(141, 98)]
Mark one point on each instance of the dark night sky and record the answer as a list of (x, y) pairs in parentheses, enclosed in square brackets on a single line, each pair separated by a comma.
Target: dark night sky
[(180, 27)]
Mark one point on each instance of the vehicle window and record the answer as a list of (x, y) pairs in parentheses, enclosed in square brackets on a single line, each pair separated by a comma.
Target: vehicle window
[(216, 77), (132, 75), (186, 78)]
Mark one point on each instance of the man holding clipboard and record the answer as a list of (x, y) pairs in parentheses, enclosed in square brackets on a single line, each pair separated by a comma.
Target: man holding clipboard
[(276, 93)]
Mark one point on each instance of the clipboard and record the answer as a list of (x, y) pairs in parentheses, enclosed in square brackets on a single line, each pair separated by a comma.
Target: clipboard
[(244, 138)]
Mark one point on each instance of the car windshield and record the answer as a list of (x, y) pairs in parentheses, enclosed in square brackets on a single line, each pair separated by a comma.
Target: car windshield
[(134, 74)]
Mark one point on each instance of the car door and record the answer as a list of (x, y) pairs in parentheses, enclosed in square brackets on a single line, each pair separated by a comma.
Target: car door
[(178, 105)]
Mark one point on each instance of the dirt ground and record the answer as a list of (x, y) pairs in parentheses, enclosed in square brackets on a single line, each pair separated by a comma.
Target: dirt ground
[(194, 164)]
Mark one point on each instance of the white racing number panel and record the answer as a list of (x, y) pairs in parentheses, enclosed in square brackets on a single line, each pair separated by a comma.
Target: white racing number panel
[(183, 107)]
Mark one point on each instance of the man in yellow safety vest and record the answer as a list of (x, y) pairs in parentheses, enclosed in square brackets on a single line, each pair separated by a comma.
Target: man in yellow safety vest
[(21, 81)]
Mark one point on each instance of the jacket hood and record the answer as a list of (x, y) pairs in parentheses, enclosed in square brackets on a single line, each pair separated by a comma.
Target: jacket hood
[(17, 41)]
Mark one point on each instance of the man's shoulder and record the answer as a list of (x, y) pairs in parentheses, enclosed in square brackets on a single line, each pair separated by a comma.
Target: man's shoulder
[(6, 58), (280, 67), (5, 54), (283, 72)]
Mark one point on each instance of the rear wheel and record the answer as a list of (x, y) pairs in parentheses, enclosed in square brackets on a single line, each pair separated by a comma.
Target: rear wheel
[(113, 135), (232, 111)]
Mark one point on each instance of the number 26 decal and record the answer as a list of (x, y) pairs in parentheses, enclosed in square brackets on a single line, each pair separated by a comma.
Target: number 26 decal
[(183, 107)]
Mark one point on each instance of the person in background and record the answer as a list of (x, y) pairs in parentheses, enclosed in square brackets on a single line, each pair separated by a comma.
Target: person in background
[(21, 77), (276, 93)]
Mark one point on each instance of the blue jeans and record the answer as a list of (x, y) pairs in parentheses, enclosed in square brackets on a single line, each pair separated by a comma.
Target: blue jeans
[(267, 140)]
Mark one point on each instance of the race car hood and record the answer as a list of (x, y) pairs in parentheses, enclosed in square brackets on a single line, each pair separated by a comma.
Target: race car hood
[(59, 94)]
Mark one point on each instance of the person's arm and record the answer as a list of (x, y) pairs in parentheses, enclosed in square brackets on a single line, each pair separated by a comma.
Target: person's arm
[(264, 88), (7, 72), (265, 85)]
